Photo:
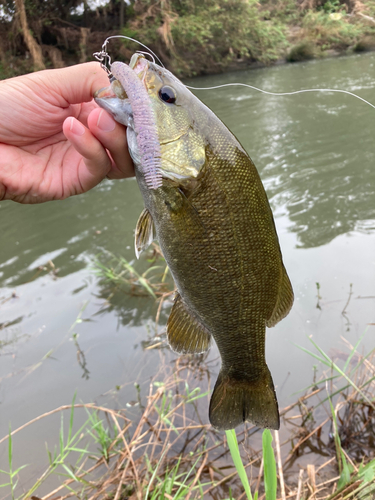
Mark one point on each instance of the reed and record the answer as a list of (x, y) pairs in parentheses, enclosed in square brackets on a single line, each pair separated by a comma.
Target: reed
[(169, 450)]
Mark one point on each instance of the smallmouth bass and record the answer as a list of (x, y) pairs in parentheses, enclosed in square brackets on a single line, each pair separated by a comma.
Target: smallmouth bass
[(207, 207)]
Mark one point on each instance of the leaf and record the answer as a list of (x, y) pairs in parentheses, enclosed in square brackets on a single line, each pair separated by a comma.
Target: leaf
[(270, 477), (70, 473), (237, 460)]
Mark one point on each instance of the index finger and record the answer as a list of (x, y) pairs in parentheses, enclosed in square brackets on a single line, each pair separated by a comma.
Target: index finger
[(74, 84)]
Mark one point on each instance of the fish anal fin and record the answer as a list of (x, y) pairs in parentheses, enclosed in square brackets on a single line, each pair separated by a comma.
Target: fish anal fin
[(235, 401), (144, 232), (284, 301), (185, 333)]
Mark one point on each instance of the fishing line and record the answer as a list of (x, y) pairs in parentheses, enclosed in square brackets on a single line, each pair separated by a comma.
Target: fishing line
[(104, 58), (282, 93)]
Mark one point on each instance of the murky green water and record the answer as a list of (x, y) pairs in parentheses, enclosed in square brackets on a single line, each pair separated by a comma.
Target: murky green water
[(316, 156)]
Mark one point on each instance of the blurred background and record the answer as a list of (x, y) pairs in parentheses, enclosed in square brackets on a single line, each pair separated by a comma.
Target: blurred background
[(192, 37)]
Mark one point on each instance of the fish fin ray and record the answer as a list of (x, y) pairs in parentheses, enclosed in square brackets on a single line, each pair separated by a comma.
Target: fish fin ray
[(144, 232), (235, 401), (185, 333), (284, 301)]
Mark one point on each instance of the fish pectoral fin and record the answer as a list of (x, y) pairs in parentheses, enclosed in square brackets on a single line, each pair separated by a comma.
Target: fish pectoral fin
[(144, 232), (284, 301), (185, 333)]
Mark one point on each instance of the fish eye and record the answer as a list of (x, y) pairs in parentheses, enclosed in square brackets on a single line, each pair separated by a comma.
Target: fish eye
[(167, 94)]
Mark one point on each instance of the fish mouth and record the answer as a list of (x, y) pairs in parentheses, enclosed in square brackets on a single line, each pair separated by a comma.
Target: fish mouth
[(115, 89), (104, 93), (139, 65), (119, 109)]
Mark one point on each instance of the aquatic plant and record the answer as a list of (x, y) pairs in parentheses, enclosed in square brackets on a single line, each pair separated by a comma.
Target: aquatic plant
[(120, 274)]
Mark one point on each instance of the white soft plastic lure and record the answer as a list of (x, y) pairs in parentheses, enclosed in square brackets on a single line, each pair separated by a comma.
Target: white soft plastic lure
[(144, 122)]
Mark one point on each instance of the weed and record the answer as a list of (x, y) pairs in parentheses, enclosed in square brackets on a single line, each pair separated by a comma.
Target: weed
[(12, 474), (120, 274), (169, 451), (237, 460)]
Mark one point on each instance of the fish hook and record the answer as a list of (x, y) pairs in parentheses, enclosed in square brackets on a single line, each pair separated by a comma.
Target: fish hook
[(104, 58)]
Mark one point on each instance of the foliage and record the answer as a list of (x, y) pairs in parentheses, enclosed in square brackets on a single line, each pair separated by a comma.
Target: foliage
[(330, 31), (302, 51), (270, 477), (119, 273), (71, 454), (237, 460), (191, 37)]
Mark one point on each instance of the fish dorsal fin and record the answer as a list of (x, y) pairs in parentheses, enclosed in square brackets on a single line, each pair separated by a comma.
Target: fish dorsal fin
[(144, 232), (185, 333), (284, 301)]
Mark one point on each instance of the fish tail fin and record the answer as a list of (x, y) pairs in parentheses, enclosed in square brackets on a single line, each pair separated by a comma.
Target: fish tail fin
[(236, 400)]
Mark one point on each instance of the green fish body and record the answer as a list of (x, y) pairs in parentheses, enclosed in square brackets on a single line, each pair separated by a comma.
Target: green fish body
[(215, 227)]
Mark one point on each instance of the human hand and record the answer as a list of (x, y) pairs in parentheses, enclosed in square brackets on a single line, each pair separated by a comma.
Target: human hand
[(54, 138)]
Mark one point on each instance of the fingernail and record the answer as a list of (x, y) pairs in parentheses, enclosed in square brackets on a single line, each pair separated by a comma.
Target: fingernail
[(76, 127), (105, 122)]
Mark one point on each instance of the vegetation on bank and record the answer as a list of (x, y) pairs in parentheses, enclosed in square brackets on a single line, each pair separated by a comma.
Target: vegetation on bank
[(161, 446), (191, 37)]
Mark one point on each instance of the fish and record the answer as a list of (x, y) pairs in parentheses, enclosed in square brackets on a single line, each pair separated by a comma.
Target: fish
[(206, 205)]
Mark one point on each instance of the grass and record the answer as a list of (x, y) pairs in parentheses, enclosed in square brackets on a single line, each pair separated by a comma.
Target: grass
[(168, 449), (69, 458), (120, 274)]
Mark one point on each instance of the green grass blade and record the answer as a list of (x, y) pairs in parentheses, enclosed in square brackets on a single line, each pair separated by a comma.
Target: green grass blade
[(329, 362), (270, 477), (70, 473), (72, 416), (179, 491), (61, 436), (154, 473), (237, 460), (312, 354), (354, 350)]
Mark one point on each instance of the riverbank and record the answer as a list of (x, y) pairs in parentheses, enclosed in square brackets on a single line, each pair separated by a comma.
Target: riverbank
[(194, 39)]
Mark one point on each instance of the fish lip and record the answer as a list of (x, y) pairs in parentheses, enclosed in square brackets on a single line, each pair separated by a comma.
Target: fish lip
[(119, 109), (104, 93)]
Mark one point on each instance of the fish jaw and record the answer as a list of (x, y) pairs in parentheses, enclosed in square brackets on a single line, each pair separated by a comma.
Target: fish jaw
[(120, 109)]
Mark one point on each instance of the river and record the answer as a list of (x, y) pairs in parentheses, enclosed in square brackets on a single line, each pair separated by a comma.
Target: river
[(315, 153)]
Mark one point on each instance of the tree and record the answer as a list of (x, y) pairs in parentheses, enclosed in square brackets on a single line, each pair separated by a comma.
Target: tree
[(34, 48)]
